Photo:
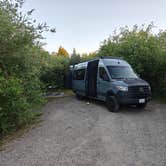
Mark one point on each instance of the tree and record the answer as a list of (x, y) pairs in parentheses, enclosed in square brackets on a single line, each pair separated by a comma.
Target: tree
[(75, 58), (21, 63), (87, 57), (62, 52)]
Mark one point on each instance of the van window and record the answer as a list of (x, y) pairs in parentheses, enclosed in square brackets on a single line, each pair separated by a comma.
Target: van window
[(121, 72), (103, 74), (79, 74)]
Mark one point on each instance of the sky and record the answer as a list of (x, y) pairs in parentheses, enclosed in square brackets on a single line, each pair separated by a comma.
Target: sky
[(84, 24)]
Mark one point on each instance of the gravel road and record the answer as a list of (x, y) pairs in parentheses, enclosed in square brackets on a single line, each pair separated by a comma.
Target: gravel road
[(74, 133)]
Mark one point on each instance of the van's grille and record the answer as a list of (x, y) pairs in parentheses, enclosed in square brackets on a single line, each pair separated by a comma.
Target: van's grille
[(138, 92)]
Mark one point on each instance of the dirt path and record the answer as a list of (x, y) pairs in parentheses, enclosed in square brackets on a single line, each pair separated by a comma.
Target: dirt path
[(76, 134)]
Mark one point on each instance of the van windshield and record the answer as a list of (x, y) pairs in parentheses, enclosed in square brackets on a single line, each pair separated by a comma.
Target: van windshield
[(121, 72)]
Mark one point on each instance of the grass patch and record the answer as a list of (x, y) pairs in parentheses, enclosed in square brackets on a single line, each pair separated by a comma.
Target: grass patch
[(68, 92)]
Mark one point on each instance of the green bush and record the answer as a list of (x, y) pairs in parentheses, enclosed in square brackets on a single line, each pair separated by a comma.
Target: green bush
[(21, 65), (13, 104), (54, 74)]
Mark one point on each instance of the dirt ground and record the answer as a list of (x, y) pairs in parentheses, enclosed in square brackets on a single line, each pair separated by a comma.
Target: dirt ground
[(74, 133)]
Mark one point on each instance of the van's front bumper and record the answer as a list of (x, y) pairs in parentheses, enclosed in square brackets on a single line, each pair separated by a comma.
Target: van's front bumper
[(130, 101), (125, 98)]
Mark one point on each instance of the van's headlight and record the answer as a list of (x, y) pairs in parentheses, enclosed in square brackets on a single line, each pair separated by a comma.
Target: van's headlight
[(122, 88)]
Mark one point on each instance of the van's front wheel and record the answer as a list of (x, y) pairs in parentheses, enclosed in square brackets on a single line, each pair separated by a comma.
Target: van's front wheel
[(112, 104)]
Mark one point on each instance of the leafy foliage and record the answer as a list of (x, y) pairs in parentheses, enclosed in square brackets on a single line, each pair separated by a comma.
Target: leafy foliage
[(54, 73), (90, 56), (22, 65), (14, 110), (75, 58)]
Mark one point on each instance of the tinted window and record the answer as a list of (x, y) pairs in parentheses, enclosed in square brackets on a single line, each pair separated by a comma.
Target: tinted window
[(79, 74), (103, 74), (121, 72)]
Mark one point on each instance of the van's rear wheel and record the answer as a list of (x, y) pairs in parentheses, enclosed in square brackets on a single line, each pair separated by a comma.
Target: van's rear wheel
[(112, 104)]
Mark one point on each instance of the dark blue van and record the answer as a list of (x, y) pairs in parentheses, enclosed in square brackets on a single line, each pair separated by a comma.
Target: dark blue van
[(111, 80)]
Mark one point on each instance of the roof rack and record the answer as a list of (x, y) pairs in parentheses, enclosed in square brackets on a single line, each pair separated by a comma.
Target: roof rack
[(110, 57)]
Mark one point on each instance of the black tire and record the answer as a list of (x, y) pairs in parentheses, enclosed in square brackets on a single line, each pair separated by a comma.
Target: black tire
[(141, 106), (112, 104)]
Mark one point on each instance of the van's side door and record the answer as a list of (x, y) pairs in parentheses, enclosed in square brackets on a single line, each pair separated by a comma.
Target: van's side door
[(103, 83)]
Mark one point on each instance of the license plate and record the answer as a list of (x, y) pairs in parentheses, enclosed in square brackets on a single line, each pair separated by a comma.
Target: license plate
[(141, 100)]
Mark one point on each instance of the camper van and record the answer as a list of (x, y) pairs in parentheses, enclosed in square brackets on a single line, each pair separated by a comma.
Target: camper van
[(111, 80)]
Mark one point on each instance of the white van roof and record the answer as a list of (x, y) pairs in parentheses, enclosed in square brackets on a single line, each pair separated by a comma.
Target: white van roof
[(107, 61), (114, 62)]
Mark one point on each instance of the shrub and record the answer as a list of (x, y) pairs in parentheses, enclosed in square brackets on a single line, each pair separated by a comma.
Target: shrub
[(21, 62), (54, 74), (13, 104)]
